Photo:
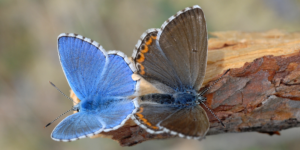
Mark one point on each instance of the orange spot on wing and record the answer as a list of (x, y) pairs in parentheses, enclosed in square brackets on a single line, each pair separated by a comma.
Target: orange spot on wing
[(141, 69), (153, 37), (142, 72), (145, 121), (141, 58), (145, 50), (149, 41)]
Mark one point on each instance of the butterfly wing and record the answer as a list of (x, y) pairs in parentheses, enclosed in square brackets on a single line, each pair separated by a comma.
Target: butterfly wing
[(183, 39), (117, 80), (117, 113), (176, 54), (153, 65), (116, 86), (77, 126), (88, 123), (190, 122), (91, 71), (150, 114), (83, 62)]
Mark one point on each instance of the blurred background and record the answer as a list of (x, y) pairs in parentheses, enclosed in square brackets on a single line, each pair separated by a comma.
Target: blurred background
[(29, 59)]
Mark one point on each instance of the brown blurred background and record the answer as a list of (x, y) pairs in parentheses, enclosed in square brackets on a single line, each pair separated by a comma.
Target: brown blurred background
[(28, 60)]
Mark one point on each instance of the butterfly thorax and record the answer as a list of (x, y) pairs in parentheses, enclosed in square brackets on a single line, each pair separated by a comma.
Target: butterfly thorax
[(184, 98), (88, 105), (94, 104)]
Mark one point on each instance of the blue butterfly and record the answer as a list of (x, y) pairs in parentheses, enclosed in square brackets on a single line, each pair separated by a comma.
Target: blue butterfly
[(103, 83)]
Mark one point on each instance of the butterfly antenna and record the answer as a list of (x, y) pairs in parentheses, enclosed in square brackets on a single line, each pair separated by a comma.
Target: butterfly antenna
[(62, 92), (202, 93), (213, 114), (58, 117)]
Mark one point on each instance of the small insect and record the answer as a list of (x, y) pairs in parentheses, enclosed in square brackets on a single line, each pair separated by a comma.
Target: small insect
[(103, 83), (173, 59)]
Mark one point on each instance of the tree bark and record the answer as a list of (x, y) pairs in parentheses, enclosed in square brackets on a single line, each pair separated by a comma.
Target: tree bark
[(261, 92)]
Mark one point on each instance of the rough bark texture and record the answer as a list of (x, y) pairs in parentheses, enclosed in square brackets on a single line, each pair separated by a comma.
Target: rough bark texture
[(261, 93)]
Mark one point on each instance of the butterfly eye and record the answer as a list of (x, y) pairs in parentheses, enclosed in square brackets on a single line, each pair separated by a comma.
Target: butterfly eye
[(76, 108), (202, 99)]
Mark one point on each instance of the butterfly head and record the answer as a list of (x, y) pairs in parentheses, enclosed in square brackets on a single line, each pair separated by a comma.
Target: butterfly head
[(201, 98), (76, 107)]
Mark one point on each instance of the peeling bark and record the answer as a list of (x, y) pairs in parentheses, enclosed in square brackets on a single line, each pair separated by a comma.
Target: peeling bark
[(261, 93)]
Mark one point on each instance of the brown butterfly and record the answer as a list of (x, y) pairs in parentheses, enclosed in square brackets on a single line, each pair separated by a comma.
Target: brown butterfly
[(173, 59)]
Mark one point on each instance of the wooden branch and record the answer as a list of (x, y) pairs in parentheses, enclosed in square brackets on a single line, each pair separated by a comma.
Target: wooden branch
[(261, 93)]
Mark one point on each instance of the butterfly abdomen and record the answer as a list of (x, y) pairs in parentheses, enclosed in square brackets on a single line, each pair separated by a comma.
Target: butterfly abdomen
[(158, 98), (97, 103), (180, 98)]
